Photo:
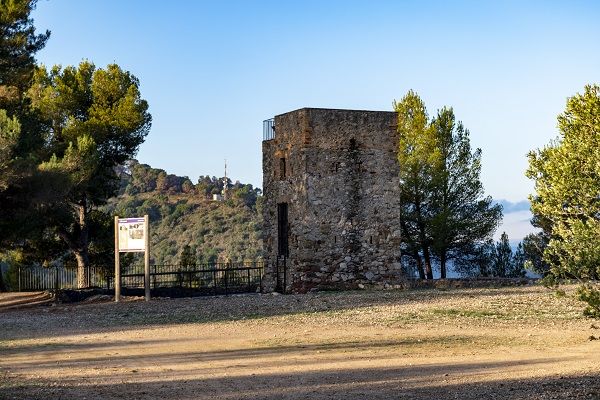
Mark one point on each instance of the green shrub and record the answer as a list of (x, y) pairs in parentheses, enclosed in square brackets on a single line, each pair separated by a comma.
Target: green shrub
[(591, 295)]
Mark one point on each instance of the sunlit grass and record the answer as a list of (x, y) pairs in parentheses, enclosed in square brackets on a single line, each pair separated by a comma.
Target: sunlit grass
[(466, 313)]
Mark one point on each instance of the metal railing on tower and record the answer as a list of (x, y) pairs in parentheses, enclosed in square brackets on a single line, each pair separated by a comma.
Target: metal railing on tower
[(269, 129)]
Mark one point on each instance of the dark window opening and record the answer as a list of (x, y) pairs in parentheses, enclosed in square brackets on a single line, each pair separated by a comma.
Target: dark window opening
[(282, 230), (282, 168)]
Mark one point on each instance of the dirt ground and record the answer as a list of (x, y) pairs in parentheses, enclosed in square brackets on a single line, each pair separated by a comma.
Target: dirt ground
[(508, 343)]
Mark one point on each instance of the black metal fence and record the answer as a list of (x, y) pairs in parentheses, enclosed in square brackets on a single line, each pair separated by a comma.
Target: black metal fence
[(49, 278), (201, 279), (215, 278)]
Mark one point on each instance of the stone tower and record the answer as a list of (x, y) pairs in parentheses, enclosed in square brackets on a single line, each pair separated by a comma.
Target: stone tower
[(331, 200)]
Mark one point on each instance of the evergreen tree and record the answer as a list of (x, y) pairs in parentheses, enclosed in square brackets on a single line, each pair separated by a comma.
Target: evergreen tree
[(415, 153), (187, 259), (10, 130), (443, 213), (463, 216), (502, 258), (518, 264), (21, 142), (97, 121)]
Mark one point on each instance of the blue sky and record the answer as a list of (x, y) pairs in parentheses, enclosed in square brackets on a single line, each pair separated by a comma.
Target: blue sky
[(212, 71)]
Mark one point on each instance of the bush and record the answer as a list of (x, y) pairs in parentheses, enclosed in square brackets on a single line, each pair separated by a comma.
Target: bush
[(591, 295)]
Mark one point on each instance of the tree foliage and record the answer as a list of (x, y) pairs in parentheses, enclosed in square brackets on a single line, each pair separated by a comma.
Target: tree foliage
[(96, 121), (504, 263), (567, 197), (567, 189), (444, 214), (494, 260), (20, 139), (10, 129), (464, 216), (18, 45), (415, 155)]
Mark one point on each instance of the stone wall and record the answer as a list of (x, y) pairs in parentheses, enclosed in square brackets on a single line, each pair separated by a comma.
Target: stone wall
[(337, 173)]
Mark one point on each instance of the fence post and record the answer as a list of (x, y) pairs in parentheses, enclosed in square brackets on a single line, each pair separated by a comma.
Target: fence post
[(56, 284), (215, 279), (154, 277), (226, 279)]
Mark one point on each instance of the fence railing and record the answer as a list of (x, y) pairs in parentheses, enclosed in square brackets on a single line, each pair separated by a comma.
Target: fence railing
[(48, 278), (214, 278)]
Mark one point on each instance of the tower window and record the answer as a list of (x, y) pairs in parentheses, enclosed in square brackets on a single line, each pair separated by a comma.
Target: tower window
[(282, 168), (282, 230)]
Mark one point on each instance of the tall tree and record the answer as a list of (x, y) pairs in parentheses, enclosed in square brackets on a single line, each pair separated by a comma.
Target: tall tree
[(18, 45), (20, 139), (416, 156), (567, 189), (463, 216), (97, 122), (444, 214), (9, 134)]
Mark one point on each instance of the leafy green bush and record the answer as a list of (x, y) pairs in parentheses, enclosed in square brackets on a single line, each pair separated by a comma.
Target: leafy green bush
[(591, 295)]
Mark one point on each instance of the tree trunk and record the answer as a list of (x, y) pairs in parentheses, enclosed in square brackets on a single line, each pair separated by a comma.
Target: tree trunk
[(83, 264), (83, 261), (78, 243), (424, 242), (427, 258), (2, 285), (419, 265), (443, 265)]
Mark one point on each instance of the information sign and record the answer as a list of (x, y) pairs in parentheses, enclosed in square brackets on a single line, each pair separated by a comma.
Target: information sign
[(132, 235)]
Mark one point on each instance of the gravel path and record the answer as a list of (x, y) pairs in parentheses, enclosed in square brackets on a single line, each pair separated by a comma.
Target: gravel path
[(509, 343)]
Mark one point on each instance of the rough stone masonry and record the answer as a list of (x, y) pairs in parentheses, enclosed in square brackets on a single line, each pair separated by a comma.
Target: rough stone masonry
[(331, 201)]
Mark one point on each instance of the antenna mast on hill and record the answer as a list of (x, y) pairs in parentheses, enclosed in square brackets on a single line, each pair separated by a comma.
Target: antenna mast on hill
[(225, 182)]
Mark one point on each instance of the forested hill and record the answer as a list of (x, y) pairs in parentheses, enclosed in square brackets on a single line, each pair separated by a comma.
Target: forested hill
[(183, 213)]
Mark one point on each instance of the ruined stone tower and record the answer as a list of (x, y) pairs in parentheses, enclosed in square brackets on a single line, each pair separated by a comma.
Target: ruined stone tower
[(331, 200)]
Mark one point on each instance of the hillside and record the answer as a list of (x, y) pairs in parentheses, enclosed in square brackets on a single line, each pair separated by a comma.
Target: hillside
[(184, 214)]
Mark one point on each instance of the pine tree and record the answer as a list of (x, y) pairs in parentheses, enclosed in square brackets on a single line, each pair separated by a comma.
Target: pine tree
[(97, 121), (502, 257), (444, 215), (415, 156), (463, 217)]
